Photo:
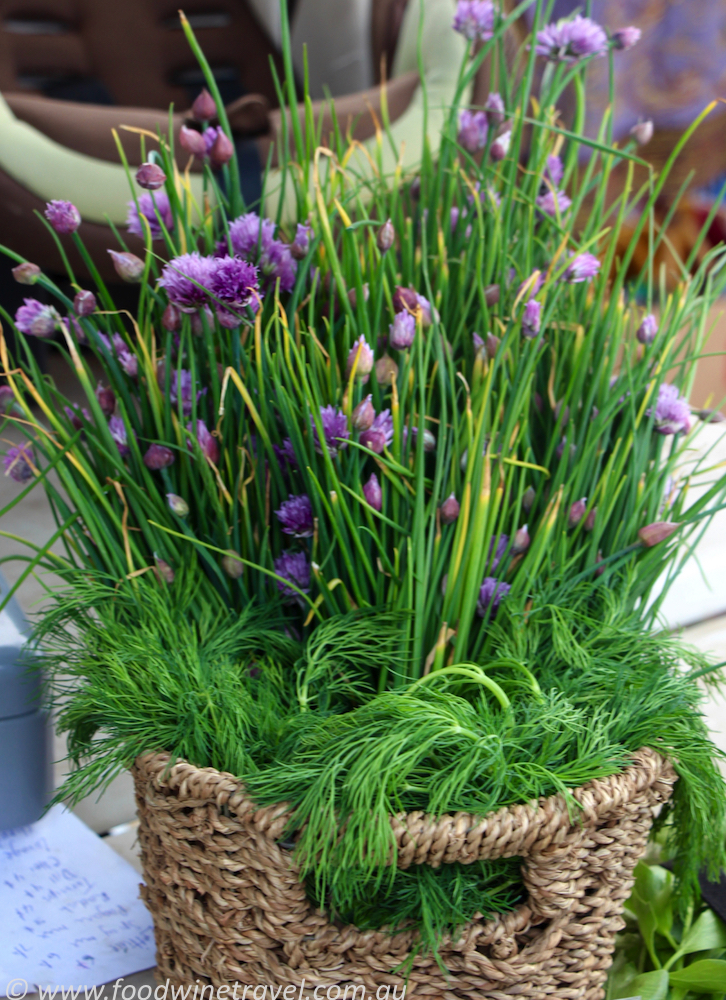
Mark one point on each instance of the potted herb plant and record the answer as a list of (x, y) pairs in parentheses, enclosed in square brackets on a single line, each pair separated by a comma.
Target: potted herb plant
[(364, 517)]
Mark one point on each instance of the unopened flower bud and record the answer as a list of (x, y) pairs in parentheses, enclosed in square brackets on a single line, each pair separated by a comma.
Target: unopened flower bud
[(204, 108), (26, 273), (163, 570), (500, 146), (492, 345), (494, 109), (647, 329), (710, 416), (642, 132), (361, 356), (528, 499), (591, 517), (577, 512), (386, 236), (450, 509), (150, 176), (232, 565), (353, 296), (128, 266), (192, 142), (429, 441), (301, 244), (598, 559), (373, 493), (363, 415), (657, 532), (565, 414), (521, 541), (106, 400), (7, 398), (84, 303), (491, 294), (158, 457), (177, 504), (171, 318), (222, 150), (386, 370), (404, 299)]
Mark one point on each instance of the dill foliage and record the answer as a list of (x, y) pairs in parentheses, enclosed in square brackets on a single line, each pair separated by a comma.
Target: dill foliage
[(570, 690)]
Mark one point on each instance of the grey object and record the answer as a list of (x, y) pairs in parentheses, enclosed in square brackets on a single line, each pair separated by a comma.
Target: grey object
[(24, 734)]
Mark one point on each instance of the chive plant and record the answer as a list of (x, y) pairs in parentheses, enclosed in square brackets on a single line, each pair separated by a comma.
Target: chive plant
[(427, 411)]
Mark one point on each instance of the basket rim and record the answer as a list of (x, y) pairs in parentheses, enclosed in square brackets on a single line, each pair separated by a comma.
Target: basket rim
[(422, 838)]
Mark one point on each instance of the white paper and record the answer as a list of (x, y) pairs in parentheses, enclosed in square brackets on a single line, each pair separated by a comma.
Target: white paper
[(70, 912)]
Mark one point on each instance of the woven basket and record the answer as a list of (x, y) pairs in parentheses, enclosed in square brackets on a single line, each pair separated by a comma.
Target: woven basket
[(228, 906)]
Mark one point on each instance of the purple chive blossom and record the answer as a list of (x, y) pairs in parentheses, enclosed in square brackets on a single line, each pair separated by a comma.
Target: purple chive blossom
[(19, 463), (126, 358), (497, 548), (63, 216), (479, 343), (380, 434), (233, 281), (553, 202), (555, 170), (248, 232), (494, 109), (474, 19), (491, 594), (647, 330), (626, 38), (335, 430), (181, 388), (158, 457), (253, 239), (363, 352), (402, 331), (672, 412), (182, 278), (568, 41), (277, 263), (295, 569), (208, 443), (532, 319), (296, 516), (75, 419), (473, 128), (210, 137), (285, 453), (582, 267), (373, 493), (531, 285), (500, 146), (149, 205), (301, 244), (118, 432), (35, 319)]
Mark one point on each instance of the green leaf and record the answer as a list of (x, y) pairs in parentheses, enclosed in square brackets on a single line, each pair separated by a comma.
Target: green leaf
[(708, 976), (706, 933), (649, 986)]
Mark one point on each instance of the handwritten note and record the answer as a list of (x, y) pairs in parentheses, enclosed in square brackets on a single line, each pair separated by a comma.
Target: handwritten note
[(70, 911)]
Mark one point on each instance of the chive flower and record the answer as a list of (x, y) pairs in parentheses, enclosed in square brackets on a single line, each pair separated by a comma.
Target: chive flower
[(253, 239), (402, 331), (63, 216), (552, 202), (72, 412), (296, 516), (335, 430), (177, 504), (106, 399), (494, 109), (26, 273), (571, 40), (148, 206), (285, 453), (672, 412), (363, 415), (491, 594), (301, 244), (500, 147), (363, 352), (582, 267), (233, 281), (532, 319), (84, 302), (118, 432), (626, 38), (473, 128), (294, 568), (35, 319), (474, 19), (204, 107), (127, 266), (185, 279), (150, 176), (554, 169), (373, 493), (208, 443), (647, 330), (19, 463), (380, 434), (158, 457), (449, 510)]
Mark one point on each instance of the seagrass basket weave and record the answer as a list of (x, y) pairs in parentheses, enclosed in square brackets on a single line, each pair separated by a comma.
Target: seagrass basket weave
[(228, 906)]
